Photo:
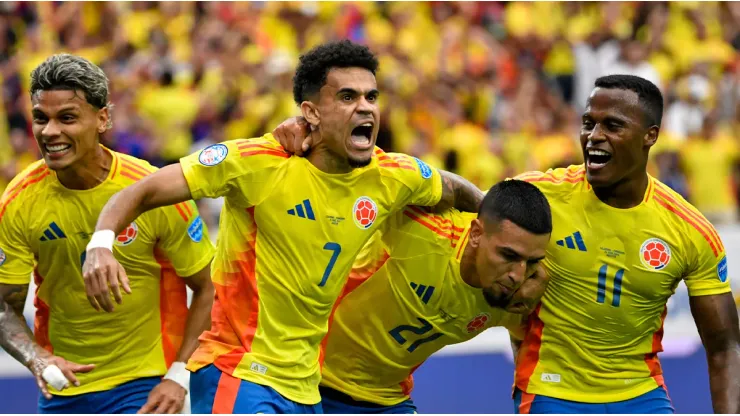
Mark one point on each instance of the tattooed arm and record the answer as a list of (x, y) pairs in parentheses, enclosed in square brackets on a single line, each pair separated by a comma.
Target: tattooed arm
[(17, 339), (15, 335), (457, 192)]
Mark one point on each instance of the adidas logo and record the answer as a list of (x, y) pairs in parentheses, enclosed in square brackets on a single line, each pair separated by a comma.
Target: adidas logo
[(52, 232), (573, 241), (423, 292), (299, 210)]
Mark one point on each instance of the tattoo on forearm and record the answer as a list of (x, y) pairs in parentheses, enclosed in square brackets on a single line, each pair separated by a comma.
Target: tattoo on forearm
[(459, 193), (15, 336)]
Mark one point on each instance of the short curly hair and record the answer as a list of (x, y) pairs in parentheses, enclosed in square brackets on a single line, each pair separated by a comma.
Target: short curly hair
[(314, 65)]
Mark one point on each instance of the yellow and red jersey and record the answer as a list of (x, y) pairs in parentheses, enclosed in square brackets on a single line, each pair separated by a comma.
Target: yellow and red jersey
[(44, 230), (405, 300), (596, 336), (288, 236)]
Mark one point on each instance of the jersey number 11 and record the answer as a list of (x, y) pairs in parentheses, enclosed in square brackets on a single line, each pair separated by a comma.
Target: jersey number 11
[(601, 290)]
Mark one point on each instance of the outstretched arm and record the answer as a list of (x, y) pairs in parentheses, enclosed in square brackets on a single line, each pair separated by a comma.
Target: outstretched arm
[(458, 193), (166, 186), (101, 272), (717, 322), (16, 338)]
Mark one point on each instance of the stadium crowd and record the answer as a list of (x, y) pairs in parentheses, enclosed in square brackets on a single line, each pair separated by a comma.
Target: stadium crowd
[(486, 90)]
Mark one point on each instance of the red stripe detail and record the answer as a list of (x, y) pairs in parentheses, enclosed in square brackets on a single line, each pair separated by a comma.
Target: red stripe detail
[(28, 176), (529, 355), (698, 218), (681, 214), (441, 221), (25, 185), (430, 226), (173, 306), (41, 320), (182, 213), (226, 392), (139, 165), (257, 146), (114, 168), (383, 157), (187, 208), (356, 278), (526, 404), (570, 176), (134, 168), (395, 165), (651, 359), (130, 175), (265, 152), (462, 244)]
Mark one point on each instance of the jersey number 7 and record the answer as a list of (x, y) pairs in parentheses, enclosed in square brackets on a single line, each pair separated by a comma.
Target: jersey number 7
[(336, 249)]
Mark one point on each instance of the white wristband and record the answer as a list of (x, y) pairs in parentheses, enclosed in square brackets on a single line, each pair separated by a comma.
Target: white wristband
[(179, 374), (101, 239)]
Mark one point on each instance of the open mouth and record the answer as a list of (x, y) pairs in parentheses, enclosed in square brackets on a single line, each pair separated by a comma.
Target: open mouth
[(57, 149), (362, 136), (597, 158)]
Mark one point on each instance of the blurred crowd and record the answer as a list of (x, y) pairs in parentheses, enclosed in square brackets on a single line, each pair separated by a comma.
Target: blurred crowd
[(487, 90)]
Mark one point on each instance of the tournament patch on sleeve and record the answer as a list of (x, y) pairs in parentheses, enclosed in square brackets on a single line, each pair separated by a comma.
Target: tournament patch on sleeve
[(213, 154)]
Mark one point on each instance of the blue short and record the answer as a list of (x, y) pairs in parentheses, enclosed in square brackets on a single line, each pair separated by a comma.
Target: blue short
[(652, 402), (336, 402), (212, 391), (126, 398)]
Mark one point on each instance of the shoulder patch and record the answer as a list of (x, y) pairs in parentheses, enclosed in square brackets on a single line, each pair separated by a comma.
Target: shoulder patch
[(721, 269), (426, 171), (213, 154), (2, 257), (195, 230)]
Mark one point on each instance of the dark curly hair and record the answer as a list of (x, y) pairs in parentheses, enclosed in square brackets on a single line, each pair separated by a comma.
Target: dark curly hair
[(314, 65)]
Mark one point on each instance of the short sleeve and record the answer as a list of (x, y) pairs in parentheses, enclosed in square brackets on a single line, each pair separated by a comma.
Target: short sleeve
[(422, 183), (708, 268), (16, 258), (233, 168), (183, 237)]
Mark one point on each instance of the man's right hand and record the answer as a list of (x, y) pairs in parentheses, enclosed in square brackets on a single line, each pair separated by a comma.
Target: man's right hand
[(294, 134), (44, 359), (103, 274)]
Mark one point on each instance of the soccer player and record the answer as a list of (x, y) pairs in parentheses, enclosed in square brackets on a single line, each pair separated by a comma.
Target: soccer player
[(622, 241), (290, 230), (114, 361), (439, 280)]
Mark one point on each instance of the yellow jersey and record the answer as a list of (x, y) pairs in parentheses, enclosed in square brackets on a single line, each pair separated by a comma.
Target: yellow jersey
[(596, 336), (288, 236), (44, 230), (410, 281)]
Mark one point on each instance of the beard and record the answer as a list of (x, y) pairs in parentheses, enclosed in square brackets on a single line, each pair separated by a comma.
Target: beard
[(496, 301), (359, 163)]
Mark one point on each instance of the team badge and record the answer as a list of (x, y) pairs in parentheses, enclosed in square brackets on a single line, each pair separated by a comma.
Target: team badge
[(364, 212), (195, 230), (478, 323), (721, 269), (2, 257), (655, 254), (426, 171), (128, 235), (213, 154)]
